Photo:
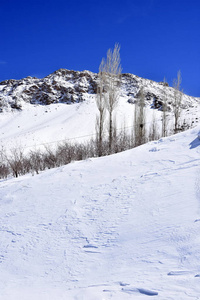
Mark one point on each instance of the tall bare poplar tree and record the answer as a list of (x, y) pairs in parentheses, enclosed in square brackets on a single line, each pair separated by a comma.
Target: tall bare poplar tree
[(139, 119), (177, 101), (108, 83), (113, 80), (100, 102), (164, 110)]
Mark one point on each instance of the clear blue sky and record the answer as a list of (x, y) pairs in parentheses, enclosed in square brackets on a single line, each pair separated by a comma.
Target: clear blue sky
[(157, 37)]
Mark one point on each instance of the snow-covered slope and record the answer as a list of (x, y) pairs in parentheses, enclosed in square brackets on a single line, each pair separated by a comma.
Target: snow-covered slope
[(45, 116), (120, 227)]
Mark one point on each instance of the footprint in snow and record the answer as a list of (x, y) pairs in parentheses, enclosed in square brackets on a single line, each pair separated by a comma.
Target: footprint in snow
[(178, 273), (89, 249), (140, 290), (123, 283), (197, 220), (90, 246)]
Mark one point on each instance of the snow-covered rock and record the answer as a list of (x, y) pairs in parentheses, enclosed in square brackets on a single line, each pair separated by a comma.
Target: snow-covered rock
[(67, 86)]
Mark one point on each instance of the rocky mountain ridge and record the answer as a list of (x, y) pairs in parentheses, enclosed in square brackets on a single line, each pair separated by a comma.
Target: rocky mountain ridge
[(68, 86)]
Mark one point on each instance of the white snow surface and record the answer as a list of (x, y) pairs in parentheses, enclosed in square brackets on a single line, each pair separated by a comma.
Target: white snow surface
[(125, 226), (39, 126)]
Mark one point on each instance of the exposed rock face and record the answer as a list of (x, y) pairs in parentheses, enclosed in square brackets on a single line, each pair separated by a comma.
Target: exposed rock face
[(72, 86), (61, 86)]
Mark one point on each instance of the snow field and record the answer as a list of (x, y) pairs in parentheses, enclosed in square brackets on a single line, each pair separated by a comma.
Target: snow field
[(37, 126), (124, 226)]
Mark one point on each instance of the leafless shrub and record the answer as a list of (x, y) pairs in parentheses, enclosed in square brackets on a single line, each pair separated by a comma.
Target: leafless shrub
[(153, 131), (49, 158), (123, 140), (15, 161), (36, 161), (65, 153), (4, 170)]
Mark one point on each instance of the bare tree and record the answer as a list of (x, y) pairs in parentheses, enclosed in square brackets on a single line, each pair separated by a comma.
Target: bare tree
[(36, 161), (177, 101), (100, 102), (15, 161), (4, 169), (50, 158), (164, 110), (139, 119), (112, 84)]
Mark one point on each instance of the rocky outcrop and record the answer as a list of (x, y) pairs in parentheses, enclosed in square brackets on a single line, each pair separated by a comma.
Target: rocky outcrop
[(61, 86), (68, 86)]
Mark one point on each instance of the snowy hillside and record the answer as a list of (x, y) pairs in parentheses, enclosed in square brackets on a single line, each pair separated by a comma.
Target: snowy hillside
[(125, 226), (62, 106), (120, 227), (68, 86)]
